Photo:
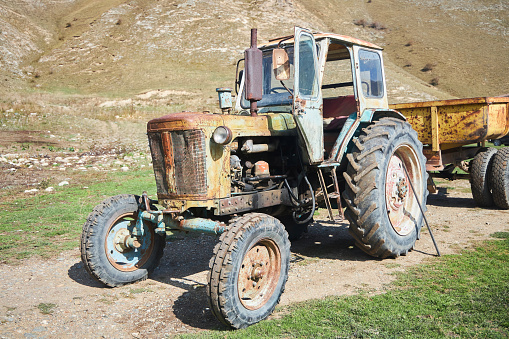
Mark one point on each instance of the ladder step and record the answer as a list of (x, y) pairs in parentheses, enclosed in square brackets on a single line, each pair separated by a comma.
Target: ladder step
[(328, 163), (334, 195)]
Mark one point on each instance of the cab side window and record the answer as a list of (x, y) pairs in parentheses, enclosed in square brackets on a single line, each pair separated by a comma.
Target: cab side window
[(370, 67)]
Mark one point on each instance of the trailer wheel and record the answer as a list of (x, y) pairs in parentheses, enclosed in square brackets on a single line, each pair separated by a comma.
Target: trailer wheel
[(248, 271), (480, 171), (103, 250), (500, 178), (385, 219)]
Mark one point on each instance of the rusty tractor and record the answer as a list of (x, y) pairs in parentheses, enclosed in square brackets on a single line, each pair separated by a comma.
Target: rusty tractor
[(310, 127)]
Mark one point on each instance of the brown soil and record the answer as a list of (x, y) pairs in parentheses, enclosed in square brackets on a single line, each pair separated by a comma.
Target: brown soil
[(173, 300)]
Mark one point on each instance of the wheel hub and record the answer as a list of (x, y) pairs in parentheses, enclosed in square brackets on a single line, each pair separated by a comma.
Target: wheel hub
[(259, 274), (396, 185), (397, 196), (402, 188), (125, 252), (121, 241)]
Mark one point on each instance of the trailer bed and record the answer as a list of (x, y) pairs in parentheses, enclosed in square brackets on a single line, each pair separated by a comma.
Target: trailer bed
[(445, 126)]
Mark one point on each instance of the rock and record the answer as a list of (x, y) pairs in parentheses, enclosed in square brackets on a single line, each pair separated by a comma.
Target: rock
[(33, 190), (63, 183), (125, 169), (49, 189)]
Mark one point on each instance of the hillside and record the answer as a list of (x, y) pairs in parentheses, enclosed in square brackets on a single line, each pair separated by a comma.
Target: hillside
[(122, 48)]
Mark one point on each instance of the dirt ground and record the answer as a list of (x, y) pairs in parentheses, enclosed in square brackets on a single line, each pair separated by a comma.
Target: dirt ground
[(173, 300)]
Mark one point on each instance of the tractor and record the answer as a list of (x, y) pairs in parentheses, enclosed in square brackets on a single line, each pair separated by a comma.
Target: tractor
[(309, 127)]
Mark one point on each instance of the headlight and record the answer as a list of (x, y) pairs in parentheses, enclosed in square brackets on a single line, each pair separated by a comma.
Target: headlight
[(222, 135)]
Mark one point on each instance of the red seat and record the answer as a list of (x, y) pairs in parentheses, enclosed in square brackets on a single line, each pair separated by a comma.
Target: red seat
[(338, 108)]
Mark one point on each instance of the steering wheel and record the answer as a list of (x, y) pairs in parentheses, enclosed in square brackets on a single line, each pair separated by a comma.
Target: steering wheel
[(275, 89)]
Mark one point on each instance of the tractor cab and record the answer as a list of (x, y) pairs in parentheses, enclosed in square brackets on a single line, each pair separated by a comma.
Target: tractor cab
[(323, 80)]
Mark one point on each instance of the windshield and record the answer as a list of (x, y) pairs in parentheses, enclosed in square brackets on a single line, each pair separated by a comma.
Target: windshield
[(275, 95)]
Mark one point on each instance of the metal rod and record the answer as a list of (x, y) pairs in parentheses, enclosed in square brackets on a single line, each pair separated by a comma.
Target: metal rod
[(422, 211), (325, 194), (336, 188)]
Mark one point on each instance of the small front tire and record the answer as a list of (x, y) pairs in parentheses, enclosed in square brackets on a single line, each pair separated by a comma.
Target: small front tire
[(103, 250), (248, 271)]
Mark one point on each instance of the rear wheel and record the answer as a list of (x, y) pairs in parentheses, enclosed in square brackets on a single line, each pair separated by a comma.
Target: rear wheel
[(500, 178), (385, 218), (104, 251), (248, 271), (480, 170)]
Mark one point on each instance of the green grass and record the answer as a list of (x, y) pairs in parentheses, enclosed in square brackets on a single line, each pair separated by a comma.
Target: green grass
[(47, 224), (46, 308), (464, 295)]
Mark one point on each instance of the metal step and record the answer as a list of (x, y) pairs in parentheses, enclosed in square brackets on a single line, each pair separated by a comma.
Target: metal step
[(332, 195)]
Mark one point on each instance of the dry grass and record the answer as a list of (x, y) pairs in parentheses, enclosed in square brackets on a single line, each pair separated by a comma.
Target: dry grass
[(427, 68), (370, 24), (109, 49), (434, 81)]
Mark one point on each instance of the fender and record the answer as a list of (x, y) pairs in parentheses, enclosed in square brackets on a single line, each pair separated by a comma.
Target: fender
[(352, 125)]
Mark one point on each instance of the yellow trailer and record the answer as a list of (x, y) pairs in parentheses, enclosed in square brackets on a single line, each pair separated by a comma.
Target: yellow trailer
[(454, 131), (445, 126)]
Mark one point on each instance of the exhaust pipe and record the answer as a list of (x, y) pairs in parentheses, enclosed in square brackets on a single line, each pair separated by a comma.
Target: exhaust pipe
[(253, 85)]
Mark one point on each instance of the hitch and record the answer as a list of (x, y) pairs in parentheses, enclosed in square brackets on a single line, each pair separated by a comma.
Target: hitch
[(166, 220)]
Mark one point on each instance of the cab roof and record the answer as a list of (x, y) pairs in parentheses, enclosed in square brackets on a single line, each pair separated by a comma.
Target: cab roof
[(347, 40)]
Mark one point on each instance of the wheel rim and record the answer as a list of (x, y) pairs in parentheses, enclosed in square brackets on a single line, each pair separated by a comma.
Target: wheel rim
[(402, 207), (121, 256), (259, 274)]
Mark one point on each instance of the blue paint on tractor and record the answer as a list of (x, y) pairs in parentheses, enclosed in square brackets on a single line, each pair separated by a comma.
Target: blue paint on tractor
[(188, 223)]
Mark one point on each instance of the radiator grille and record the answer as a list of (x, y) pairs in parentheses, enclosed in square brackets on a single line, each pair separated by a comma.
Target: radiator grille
[(189, 159), (156, 148), (186, 174)]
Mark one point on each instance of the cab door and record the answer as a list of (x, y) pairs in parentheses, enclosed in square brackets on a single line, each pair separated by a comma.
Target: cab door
[(307, 98), (370, 79)]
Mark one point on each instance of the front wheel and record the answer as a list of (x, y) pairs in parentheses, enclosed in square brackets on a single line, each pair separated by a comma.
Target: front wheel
[(104, 252), (385, 218), (248, 271)]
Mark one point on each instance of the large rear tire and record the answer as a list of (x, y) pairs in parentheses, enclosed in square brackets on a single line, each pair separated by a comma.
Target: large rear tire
[(248, 271), (480, 171), (103, 249), (385, 218), (500, 178)]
